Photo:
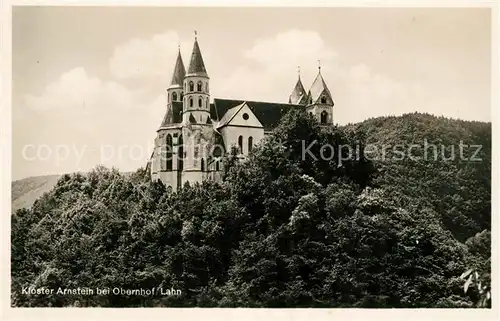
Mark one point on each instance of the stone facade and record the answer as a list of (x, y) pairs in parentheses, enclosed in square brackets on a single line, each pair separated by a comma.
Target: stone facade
[(196, 134)]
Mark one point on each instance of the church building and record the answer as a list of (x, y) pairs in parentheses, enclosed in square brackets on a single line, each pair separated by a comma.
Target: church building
[(196, 133)]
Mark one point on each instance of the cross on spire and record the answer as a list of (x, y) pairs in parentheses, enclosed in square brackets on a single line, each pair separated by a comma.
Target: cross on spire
[(319, 65), (195, 34), (298, 71)]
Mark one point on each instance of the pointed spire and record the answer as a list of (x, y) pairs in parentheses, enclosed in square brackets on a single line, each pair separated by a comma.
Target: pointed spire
[(179, 71), (196, 65), (298, 95), (319, 89)]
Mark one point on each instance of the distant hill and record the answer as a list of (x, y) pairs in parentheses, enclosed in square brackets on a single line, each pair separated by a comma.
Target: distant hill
[(27, 190)]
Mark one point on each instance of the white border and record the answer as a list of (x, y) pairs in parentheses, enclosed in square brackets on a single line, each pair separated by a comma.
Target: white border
[(9, 313)]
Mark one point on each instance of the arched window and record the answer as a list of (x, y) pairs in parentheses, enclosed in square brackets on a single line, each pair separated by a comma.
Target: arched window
[(202, 164), (208, 104), (169, 152), (324, 117), (240, 144), (180, 154), (200, 86), (323, 100), (182, 95), (191, 86), (206, 87), (174, 96), (190, 102), (199, 102), (250, 144), (217, 166)]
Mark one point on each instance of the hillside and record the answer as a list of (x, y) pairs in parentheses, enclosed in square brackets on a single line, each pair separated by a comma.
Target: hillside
[(26, 191), (459, 188), (280, 231)]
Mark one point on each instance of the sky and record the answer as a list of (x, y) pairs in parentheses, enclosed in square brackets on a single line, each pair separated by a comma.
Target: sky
[(89, 82)]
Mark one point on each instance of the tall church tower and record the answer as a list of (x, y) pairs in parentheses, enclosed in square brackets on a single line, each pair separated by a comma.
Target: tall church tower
[(319, 101), (196, 90), (197, 125)]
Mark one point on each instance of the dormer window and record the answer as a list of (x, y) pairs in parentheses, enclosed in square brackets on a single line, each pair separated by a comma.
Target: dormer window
[(323, 100)]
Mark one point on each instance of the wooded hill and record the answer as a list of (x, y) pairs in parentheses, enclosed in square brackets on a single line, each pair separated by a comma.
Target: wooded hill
[(280, 231)]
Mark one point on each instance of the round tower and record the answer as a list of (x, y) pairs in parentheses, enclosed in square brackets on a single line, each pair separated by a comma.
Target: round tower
[(196, 90)]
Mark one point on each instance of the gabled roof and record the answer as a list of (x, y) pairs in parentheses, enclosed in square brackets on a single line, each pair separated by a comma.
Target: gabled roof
[(179, 72), (173, 114), (230, 113), (319, 88), (269, 114), (298, 94), (196, 65)]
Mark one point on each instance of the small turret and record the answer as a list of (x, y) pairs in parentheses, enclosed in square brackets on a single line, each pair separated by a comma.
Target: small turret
[(298, 95)]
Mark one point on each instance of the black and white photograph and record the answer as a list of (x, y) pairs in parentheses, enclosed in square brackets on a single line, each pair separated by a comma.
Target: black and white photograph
[(255, 157)]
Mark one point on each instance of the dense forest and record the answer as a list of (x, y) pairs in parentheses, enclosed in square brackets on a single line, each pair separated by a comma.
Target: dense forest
[(281, 230)]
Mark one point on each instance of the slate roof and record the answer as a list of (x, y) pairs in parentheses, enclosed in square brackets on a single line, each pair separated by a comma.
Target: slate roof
[(318, 88), (230, 114), (298, 94), (196, 65), (179, 72), (269, 114), (173, 114)]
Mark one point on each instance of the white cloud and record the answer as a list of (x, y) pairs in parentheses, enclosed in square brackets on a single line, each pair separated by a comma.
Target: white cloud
[(75, 90), (79, 112), (146, 58), (358, 91), (289, 49)]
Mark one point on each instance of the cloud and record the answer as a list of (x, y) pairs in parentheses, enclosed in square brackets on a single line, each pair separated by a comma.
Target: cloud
[(269, 74), (153, 57), (103, 121), (75, 90), (289, 49)]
